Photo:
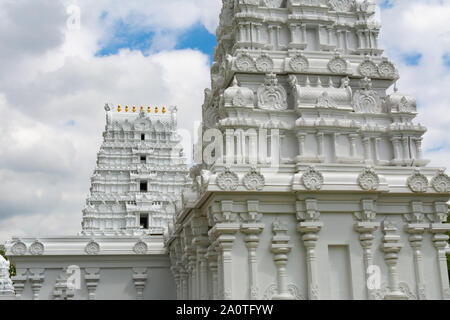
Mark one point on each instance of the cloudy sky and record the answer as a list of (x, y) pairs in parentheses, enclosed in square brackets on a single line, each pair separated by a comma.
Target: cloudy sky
[(55, 79)]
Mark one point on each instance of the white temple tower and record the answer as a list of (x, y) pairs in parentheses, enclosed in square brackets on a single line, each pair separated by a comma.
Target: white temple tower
[(314, 186), (140, 173)]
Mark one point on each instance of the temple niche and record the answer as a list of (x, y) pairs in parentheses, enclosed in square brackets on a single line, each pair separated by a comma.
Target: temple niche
[(318, 177)]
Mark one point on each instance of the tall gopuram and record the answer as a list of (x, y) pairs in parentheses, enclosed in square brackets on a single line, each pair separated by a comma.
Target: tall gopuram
[(120, 252), (140, 173), (310, 181)]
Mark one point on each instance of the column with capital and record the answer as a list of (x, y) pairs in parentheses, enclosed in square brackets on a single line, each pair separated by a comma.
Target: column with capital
[(440, 240), (416, 228), (309, 227), (366, 226), (252, 228)]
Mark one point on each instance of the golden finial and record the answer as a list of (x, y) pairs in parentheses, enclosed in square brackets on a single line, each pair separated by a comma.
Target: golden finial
[(156, 109), (142, 108), (118, 108), (126, 108), (134, 108), (149, 110), (164, 109)]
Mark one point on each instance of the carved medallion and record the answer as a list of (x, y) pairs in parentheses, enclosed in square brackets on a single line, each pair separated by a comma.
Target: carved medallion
[(254, 181), (369, 180), (337, 65), (37, 249), (441, 182), (245, 63), (272, 291), (92, 248), (368, 68), (324, 101), (140, 248), (299, 63), (387, 70), (418, 182), (228, 181), (264, 63), (341, 5), (312, 179), (19, 248), (272, 96)]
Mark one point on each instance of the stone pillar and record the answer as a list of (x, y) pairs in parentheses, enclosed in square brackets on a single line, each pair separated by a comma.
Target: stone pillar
[(309, 226), (416, 228), (352, 137), (440, 240), (92, 277), (320, 144), (275, 147), (19, 281), (366, 227), (224, 233), (252, 228), (419, 151), (280, 248), (396, 145), (36, 279), (262, 148), (405, 141), (213, 267), (140, 277), (301, 143), (199, 226), (391, 246), (367, 152)]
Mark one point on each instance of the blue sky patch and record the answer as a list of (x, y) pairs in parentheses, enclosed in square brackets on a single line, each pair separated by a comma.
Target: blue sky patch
[(126, 37), (198, 38), (412, 59), (437, 149), (71, 123), (386, 4), (446, 58)]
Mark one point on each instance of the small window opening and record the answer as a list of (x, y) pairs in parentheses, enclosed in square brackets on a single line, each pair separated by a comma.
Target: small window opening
[(143, 159), (143, 221), (142, 137), (144, 186)]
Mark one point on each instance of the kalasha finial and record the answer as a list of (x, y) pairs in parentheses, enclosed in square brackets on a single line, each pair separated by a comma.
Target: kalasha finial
[(156, 109), (107, 108), (164, 110), (118, 108)]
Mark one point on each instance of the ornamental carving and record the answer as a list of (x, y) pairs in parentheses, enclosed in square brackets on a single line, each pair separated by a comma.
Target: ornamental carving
[(272, 96), (227, 180), (37, 249), (312, 179), (367, 100), (212, 117), (441, 182), (92, 248), (324, 101), (368, 68), (273, 3), (341, 5), (299, 63), (19, 248), (254, 181), (264, 63), (140, 248), (337, 65), (387, 70), (272, 291), (369, 180), (245, 63), (418, 182)]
